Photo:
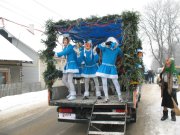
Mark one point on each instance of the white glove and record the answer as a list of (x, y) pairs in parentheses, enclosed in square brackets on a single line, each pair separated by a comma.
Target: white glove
[(56, 54), (103, 44), (77, 51), (94, 50)]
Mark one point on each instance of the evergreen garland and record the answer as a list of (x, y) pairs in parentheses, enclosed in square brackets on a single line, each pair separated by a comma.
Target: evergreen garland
[(131, 42), (51, 73)]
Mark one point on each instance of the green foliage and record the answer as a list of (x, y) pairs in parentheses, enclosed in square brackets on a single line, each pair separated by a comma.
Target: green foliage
[(93, 19), (130, 42), (51, 73)]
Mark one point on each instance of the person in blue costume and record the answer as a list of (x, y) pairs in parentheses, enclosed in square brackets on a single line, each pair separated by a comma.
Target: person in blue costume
[(77, 76), (78, 49), (90, 58), (110, 51), (70, 68), (141, 70)]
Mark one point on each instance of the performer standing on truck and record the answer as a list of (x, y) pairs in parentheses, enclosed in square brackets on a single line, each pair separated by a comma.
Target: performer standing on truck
[(70, 68), (110, 50), (90, 57), (78, 49)]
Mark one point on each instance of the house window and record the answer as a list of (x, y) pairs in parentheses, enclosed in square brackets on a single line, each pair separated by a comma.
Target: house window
[(4, 76)]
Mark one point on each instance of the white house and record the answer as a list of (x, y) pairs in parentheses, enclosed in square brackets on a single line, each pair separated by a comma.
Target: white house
[(11, 60), (26, 40)]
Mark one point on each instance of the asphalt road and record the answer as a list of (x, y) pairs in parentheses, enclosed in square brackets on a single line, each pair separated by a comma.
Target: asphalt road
[(42, 120)]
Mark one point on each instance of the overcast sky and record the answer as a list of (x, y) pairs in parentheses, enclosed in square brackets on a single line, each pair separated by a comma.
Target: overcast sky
[(37, 12)]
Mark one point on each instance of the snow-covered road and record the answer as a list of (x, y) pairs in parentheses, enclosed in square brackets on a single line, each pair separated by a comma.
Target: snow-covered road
[(15, 104), (33, 103)]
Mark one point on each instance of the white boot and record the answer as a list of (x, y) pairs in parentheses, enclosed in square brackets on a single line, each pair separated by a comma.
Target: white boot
[(106, 99), (68, 96), (72, 98), (120, 98)]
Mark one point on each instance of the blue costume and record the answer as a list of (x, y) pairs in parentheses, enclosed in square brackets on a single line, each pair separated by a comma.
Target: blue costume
[(80, 61), (71, 64), (90, 60), (108, 69)]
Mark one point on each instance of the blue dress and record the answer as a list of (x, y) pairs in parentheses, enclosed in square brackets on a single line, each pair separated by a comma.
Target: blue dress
[(90, 59), (80, 64), (71, 64), (108, 68)]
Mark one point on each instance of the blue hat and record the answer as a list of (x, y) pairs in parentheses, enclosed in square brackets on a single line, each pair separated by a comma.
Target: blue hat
[(139, 50)]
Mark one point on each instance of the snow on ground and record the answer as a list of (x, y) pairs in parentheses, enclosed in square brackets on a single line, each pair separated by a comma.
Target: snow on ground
[(28, 99), (22, 102), (149, 111)]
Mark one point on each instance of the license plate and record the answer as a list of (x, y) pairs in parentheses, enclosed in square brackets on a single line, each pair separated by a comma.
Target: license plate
[(67, 116)]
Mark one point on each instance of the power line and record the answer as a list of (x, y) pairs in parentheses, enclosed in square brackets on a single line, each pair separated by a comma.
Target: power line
[(19, 13), (47, 8), (22, 25)]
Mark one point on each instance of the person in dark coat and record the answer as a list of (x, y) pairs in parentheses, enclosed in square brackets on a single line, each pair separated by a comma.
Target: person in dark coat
[(169, 84), (151, 76)]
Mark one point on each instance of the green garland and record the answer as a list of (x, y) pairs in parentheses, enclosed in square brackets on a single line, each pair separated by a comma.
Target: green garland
[(130, 44), (51, 73)]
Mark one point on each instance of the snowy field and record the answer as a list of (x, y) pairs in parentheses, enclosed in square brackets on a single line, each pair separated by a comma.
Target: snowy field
[(15, 104)]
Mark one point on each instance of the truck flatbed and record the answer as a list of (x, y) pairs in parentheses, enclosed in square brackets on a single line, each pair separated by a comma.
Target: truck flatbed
[(79, 102)]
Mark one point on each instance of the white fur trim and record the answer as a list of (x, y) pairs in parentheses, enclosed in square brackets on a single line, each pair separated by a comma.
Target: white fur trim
[(103, 44), (112, 39), (106, 75), (140, 50), (71, 71), (88, 75)]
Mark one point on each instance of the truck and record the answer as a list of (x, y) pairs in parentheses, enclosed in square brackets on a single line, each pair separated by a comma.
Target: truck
[(102, 118)]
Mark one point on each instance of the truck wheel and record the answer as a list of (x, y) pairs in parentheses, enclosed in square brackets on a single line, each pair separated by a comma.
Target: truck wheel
[(133, 115), (137, 105), (139, 98)]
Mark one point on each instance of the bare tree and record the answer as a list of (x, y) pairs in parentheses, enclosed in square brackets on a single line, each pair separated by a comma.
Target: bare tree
[(160, 24)]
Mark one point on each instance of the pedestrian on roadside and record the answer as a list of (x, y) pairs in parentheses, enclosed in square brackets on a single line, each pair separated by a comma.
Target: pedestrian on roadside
[(70, 68), (150, 76), (169, 84), (146, 79)]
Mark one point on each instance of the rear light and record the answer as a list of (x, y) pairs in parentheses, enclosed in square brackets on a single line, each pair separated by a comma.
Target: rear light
[(119, 110), (65, 110)]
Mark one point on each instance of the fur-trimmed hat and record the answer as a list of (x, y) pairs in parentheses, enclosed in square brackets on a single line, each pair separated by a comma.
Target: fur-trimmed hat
[(112, 39), (139, 50), (67, 36)]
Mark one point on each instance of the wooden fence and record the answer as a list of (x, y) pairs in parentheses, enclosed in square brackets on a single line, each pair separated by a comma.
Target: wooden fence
[(18, 88)]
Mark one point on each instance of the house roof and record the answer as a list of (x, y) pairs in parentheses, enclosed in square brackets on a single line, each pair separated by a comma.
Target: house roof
[(24, 35), (9, 52)]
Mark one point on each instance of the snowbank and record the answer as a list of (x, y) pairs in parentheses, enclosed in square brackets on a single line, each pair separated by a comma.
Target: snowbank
[(10, 103)]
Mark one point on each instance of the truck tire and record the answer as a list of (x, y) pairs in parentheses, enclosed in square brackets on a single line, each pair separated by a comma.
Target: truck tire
[(139, 98), (133, 115)]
